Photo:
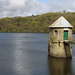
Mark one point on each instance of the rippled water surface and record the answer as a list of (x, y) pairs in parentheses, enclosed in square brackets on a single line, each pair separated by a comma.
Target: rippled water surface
[(27, 54)]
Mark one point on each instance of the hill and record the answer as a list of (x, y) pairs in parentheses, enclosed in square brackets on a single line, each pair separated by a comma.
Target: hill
[(34, 24)]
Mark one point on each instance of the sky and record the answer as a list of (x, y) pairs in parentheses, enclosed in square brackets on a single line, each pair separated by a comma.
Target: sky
[(12, 8), (44, 1)]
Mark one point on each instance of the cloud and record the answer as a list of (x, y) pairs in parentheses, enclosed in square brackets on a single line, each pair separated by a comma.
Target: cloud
[(68, 5), (16, 4), (12, 8)]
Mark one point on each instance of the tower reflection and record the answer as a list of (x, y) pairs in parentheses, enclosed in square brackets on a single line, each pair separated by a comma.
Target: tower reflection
[(60, 66)]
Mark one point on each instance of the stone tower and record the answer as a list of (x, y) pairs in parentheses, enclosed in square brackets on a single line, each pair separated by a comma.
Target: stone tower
[(60, 42)]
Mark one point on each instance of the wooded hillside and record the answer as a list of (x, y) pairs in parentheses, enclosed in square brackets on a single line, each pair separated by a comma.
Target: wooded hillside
[(37, 24)]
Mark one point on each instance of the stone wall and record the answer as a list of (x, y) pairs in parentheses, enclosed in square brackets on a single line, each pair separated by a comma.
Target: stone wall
[(57, 46)]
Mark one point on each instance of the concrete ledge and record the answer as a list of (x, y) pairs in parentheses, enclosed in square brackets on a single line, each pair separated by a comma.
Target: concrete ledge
[(67, 41)]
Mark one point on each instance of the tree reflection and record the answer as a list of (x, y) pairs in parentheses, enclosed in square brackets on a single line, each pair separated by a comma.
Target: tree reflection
[(60, 66)]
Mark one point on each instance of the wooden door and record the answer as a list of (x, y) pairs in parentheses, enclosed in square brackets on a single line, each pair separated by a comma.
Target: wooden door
[(65, 35)]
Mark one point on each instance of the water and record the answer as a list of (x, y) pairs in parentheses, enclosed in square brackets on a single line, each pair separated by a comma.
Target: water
[(27, 54)]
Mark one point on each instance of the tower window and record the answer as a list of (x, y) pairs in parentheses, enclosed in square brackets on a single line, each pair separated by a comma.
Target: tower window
[(56, 32)]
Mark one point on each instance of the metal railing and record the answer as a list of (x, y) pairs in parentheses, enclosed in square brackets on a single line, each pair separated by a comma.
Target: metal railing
[(73, 37)]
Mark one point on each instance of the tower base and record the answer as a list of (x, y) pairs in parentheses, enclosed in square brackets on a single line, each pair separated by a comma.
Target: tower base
[(60, 49)]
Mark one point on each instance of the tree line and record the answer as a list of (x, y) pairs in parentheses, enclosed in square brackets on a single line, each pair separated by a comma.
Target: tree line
[(34, 24)]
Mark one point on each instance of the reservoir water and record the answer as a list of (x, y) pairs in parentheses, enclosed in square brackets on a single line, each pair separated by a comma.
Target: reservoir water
[(27, 54)]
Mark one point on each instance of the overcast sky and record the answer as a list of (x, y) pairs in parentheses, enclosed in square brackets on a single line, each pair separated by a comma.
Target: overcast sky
[(12, 8)]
